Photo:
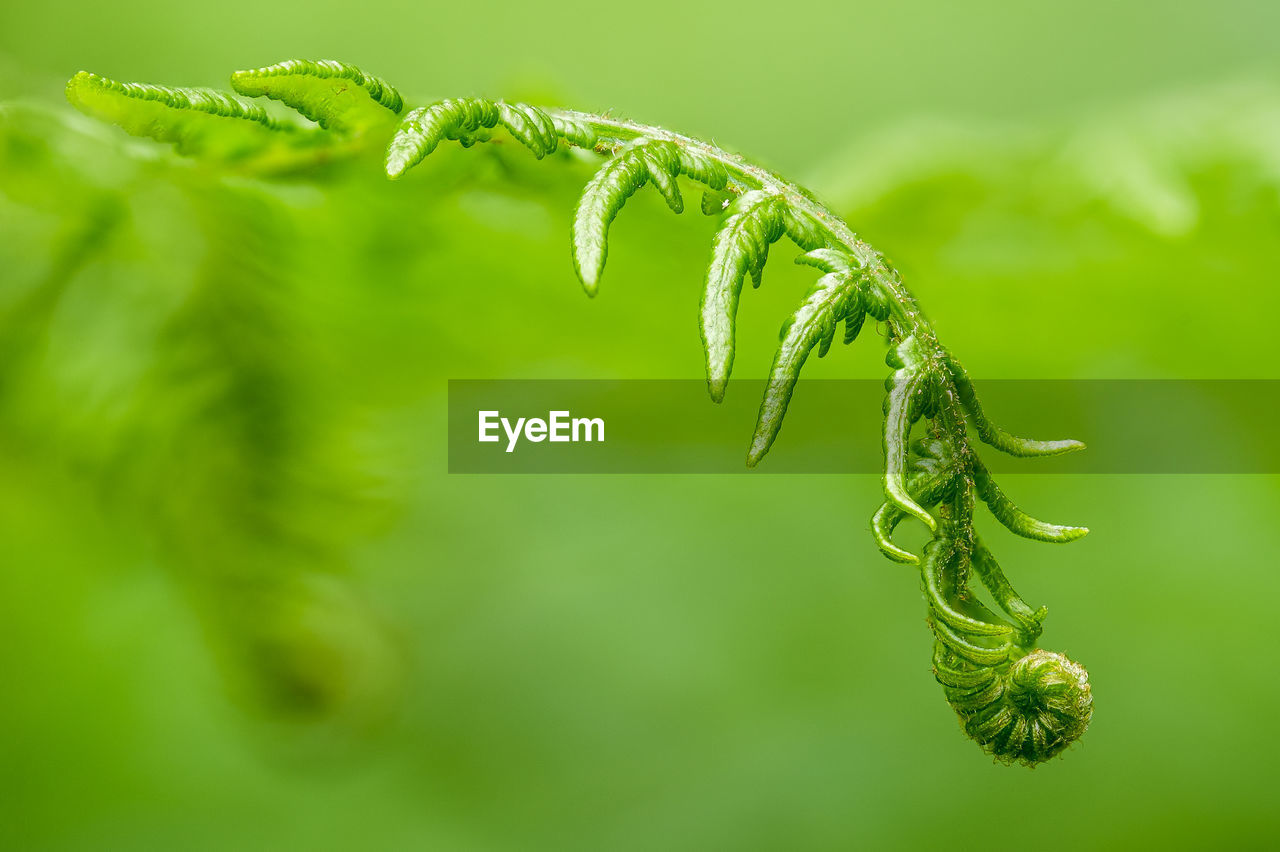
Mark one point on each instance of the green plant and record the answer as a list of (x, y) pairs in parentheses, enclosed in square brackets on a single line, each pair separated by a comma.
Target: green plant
[(1019, 703)]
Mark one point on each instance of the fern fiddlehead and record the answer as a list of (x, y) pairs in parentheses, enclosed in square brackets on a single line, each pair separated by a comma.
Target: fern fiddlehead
[(1019, 703)]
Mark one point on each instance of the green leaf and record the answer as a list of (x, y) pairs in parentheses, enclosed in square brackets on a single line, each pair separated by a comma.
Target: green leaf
[(467, 120), (337, 96), (663, 161), (530, 126), (833, 261), (425, 128), (936, 554), (702, 167), (1015, 519), (645, 160), (204, 123), (741, 246), (834, 298), (992, 434), (574, 130), (758, 219), (1030, 622)]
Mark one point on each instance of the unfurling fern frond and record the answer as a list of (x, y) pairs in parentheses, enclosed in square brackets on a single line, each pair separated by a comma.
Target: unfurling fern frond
[(1019, 703)]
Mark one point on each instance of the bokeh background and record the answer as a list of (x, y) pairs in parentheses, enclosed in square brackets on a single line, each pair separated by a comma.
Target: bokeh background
[(243, 605)]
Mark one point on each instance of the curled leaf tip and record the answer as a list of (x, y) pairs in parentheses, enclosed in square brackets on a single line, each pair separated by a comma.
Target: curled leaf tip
[(1038, 708)]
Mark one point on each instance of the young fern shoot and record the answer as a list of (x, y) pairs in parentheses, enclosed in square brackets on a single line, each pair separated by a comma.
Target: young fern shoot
[(1021, 704)]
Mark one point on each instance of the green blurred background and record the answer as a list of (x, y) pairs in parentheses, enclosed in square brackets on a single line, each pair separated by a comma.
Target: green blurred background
[(243, 606)]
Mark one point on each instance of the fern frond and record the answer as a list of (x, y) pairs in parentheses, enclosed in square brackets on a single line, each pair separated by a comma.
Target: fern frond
[(575, 129), (227, 130), (833, 299), (1030, 622), (255, 524), (468, 121), (201, 123), (643, 161), (1019, 703), (1016, 520), (992, 434), (337, 96), (756, 221), (936, 552)]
